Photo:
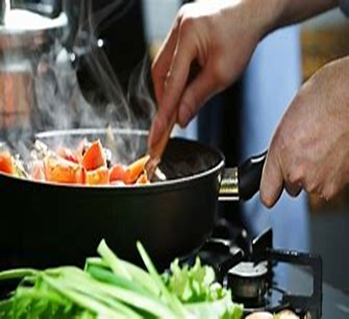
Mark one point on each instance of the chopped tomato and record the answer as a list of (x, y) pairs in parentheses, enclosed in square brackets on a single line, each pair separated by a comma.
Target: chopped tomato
[(68, 154), (143, 179), (94, 156), (100, 176), (59, 170), (116, 173), (135, 169), (6, 163)]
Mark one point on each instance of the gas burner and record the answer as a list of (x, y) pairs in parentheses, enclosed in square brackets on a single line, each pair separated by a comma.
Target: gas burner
[(248, 282), (247, 268)]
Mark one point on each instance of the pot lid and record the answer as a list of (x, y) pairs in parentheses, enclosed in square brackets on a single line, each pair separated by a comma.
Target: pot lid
[(26, 29)]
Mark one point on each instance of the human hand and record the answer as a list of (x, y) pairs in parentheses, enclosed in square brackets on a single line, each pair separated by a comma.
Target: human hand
[(218, 36), (310, 148)]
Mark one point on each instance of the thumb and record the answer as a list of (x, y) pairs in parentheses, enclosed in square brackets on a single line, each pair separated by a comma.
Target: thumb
[(272, 180)]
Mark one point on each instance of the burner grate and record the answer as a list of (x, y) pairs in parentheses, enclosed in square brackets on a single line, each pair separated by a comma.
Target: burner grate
[(248, 268)]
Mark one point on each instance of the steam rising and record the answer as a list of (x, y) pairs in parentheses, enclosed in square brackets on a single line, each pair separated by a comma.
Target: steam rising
[(59, 101)]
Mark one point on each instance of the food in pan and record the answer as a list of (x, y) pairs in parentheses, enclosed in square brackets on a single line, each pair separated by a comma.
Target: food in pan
[(87, 164)]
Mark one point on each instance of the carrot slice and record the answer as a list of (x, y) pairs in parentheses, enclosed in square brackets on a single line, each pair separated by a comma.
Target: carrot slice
[(6, 163), (94, 157), (59, 170), (116, 173), (135, 169), (143, 179), (100, 176)]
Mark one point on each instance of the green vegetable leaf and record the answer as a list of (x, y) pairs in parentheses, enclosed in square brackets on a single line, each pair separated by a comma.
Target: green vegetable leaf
[(171, 299), (112, 260), (197, 288), (194, 284), (220, 309), (110, 287)]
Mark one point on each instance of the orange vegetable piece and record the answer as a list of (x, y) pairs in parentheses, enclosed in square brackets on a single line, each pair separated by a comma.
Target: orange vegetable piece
[(135, 169), (116, 173), (100, 176), (94, 157), (59, 170), (6, 163), (143, 179)]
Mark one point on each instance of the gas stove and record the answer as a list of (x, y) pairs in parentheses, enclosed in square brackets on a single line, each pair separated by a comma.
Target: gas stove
[(251, 269)]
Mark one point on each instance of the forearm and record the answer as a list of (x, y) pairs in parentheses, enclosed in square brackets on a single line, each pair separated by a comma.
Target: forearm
[(279, 13), (294, 11)]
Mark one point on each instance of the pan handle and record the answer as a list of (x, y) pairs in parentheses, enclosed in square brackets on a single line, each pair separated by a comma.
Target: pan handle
[(242, 182)]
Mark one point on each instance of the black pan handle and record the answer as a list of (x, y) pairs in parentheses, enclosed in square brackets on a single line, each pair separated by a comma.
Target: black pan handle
[(250, 174), (242, 182)]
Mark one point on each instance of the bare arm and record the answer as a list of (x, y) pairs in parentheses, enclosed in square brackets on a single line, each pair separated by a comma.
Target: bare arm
[(293, 11), (220, 36)]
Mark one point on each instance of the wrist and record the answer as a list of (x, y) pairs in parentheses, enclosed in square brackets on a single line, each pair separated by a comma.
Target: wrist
[(267, 14)]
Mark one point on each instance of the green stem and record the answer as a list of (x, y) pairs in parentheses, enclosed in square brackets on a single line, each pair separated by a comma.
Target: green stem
[(17, 273)]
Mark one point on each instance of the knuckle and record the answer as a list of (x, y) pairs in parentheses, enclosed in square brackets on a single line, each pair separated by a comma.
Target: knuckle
[(310, 185), (182, 12), (328, 191), (187, 23), (295, 176), (185, 20), (172, 83), (220, 73)]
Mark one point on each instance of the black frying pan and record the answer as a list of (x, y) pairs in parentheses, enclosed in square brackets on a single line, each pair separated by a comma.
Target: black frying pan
[(48, 224)]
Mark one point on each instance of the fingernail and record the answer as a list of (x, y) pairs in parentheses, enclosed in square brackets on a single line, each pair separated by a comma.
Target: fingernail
[(266, 200), (266, 195)]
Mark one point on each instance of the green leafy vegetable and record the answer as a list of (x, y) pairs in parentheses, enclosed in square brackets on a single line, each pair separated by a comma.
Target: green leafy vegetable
[(197, 288), (109, 287), (194, 284), (171, 299)]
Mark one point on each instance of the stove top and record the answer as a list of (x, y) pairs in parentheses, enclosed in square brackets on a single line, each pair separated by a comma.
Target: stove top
[(250, 268)]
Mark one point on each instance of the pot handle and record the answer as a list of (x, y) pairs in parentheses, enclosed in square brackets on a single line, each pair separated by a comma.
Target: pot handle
[(242, 182)]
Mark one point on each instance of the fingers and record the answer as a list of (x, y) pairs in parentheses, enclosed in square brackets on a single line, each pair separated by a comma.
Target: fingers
[(272, 180), (195, 95), (163, 60), (170, 91)]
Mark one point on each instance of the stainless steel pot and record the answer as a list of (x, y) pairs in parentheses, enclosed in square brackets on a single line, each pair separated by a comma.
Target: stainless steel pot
[(24, 37)]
